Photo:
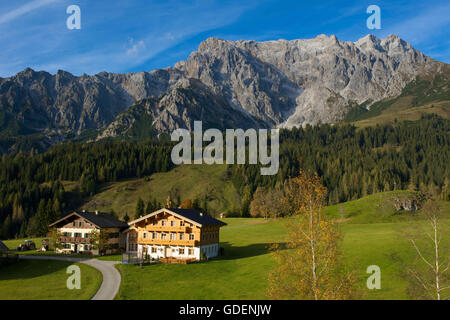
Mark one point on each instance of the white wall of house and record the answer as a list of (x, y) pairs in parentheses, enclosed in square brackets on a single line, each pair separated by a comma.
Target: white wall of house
[(76, 247), (210, 250), (180, 252)]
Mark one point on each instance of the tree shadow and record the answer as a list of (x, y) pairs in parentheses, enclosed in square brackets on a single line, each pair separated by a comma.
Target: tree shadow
[(28, 269), (232, 252)]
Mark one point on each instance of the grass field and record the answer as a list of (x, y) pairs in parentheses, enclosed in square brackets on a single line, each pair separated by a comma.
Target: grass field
[(189, 181), (377, 208), (401, 111), (14, 243), (370, 228), (242, 272), (46, 280)]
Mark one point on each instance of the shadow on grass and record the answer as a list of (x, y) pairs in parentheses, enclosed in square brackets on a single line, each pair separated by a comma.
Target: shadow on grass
[(27, 269), (251, 250)]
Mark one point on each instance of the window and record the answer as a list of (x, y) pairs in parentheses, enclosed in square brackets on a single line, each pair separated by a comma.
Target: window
[(190, 252), (181, 250), (80, 224), (163, 236), (153, 250), (173, 223), (132, 236), (173, 236), (86, 247), (181, 223), (144, 235), (113, 235), (155, 222), (86, 235), (163, 222), (191, 236), (154, 235), (74, 224), (181, 236)]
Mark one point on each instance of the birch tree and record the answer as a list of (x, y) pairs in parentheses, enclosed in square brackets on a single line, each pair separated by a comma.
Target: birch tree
[(428, 274), (310, 266)]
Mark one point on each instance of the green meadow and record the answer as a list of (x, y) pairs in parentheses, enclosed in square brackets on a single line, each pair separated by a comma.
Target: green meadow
[(371, 235), (46, 280), (242, 272)]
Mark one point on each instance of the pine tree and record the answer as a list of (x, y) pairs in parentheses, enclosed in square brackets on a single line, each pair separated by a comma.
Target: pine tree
[(149, 208), (140, 209), (6, 228)]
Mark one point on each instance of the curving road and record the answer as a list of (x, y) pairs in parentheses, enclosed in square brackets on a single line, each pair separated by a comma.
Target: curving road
[(111, 276)]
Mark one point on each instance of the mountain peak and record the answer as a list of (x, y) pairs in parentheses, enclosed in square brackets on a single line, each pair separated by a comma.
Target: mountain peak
[(279, 83)]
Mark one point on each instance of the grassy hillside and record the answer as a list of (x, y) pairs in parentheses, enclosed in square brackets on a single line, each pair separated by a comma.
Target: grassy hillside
[(242, 273), (188, 181), (192, 182), (427, 94), (400, 111), (378, 208)]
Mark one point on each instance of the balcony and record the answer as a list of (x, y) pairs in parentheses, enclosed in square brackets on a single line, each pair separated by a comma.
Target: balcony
[(168, 228), (74, 240), (193, 243)]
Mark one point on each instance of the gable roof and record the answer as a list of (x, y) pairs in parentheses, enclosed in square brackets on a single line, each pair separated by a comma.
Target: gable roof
[(3, 246), (99, 219), (196, 217)]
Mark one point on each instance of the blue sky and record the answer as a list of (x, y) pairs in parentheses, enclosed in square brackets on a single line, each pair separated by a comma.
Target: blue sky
[(137, 35)]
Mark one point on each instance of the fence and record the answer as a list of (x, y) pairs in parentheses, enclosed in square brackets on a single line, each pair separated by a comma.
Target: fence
[(131, 258)]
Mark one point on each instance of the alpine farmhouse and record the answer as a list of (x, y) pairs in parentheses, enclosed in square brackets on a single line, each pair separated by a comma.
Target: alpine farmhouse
[(169, 233), (76, 232)]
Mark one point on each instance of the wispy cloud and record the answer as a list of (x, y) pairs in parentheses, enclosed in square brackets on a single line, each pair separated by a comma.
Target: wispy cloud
[(426, 25), (26, 8), (179, 22), (136, 47), (134, 35)]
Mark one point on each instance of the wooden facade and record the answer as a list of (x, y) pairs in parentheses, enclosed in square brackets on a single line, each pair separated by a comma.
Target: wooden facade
[(174, 233)]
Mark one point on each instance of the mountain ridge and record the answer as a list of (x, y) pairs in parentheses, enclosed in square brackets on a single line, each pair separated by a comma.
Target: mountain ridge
[(278, 83)]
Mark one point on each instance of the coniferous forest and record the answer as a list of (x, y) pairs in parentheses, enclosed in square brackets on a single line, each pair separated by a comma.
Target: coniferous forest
[(351, 163)]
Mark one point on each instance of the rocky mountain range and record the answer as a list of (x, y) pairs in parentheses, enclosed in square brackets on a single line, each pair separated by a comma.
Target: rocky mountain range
[(226, 84)]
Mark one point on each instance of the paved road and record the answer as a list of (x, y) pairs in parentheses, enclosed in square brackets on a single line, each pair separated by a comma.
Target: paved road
[(111, 276)]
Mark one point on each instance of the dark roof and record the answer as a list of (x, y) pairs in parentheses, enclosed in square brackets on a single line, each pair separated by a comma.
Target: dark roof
[(100, 219), (197, 216), (3, 247)]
